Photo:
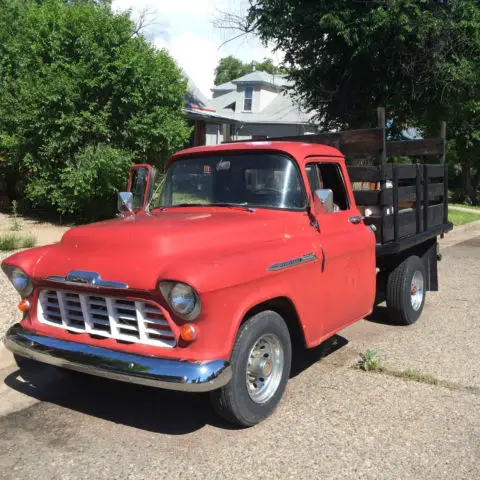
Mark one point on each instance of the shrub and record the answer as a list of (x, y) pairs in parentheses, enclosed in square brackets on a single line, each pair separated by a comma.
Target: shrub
[(87, 185), (13, 241)]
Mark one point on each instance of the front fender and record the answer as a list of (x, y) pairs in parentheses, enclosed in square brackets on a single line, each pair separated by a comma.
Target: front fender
[(230, 287)]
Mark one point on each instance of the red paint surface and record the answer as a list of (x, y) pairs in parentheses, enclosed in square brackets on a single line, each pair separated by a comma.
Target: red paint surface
[(224, 254)]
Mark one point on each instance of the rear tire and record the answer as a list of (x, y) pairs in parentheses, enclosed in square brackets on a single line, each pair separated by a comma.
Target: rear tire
[(261, 360), (405, 293)]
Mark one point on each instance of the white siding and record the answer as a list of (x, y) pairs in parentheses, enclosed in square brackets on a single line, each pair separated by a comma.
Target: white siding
[(213, 134), (266, 96)]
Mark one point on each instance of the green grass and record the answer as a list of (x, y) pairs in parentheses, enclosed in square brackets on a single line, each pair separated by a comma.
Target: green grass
[(13, 241), (415, 376), (458, 217)]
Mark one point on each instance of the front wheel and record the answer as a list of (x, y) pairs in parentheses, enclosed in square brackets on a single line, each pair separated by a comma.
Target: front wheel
[(261, 360), (406, 286)]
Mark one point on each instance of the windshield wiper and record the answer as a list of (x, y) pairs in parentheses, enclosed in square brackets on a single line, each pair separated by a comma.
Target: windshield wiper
[(185, 205), (242, 206)]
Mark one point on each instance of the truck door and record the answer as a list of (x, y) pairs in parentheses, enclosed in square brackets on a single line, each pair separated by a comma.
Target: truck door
[(348, 247)]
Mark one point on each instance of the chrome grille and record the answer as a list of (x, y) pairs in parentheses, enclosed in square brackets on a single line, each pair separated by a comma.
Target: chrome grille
[(124, 320)]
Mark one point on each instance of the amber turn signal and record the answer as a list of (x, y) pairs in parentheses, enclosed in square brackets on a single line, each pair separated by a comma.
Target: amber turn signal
[(24, 306), (188, 333)]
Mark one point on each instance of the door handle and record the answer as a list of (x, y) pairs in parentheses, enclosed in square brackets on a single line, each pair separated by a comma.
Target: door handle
[(355, 220)]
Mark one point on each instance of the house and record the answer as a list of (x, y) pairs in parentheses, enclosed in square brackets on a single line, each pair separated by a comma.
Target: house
[(254, 106), (210, 127), (260, 106)]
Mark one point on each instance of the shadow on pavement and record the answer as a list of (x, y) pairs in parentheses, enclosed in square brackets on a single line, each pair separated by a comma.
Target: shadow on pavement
[(159, 411), (380, 315), (304, 358)]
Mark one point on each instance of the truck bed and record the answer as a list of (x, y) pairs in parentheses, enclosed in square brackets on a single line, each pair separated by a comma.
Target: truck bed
[(409, 203)]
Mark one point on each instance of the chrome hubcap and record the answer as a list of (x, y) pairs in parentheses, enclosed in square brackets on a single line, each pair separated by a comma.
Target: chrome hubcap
[(264, 368), (416, 290)]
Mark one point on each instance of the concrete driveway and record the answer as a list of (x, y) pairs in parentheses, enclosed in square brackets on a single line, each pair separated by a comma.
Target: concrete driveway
[(335, 422)]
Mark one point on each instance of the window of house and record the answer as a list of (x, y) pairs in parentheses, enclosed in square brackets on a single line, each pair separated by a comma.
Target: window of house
[(328, 176), (247, 102)]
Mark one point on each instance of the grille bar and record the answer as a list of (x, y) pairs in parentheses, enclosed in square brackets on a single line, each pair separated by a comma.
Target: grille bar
[(123, 320)]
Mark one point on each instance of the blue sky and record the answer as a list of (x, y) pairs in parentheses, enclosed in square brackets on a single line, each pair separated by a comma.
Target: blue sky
[(185, 28)]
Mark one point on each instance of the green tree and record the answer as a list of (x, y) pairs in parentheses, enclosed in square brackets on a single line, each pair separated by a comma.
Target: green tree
[(419, 58), (230, 68), (78, 82)]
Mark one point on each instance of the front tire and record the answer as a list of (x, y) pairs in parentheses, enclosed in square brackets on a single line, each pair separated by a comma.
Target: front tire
[(406, 286), (261, 360)]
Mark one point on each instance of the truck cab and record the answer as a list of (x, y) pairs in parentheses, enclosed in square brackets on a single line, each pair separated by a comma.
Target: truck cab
[(210, 274)]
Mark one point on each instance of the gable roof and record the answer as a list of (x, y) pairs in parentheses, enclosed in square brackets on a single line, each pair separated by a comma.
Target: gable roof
[(224, 87), (282, 109)]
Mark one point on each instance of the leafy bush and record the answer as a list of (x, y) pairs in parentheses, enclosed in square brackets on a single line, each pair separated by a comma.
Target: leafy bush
[(87, 185), (76, 77)]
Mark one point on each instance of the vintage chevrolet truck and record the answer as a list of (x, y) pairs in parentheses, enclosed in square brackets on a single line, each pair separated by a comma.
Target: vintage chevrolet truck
[(214, 270)]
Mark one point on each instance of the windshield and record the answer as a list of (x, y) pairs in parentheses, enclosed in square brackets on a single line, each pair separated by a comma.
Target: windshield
[(269, 180)]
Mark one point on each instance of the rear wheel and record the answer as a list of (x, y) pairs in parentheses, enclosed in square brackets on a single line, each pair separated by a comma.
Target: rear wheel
[(405, 293), (261, 359)]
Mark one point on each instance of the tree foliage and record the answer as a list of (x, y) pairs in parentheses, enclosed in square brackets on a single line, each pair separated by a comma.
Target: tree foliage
[(230, 68), (419, 58), (81, 91)]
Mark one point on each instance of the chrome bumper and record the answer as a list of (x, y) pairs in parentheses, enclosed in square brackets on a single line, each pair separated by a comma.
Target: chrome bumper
[(155, 372)]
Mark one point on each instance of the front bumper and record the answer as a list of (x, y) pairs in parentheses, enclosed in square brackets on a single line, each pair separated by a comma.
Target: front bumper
[(151, 371)]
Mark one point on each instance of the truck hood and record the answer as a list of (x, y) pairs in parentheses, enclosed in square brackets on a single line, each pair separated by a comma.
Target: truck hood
[(137, 250)]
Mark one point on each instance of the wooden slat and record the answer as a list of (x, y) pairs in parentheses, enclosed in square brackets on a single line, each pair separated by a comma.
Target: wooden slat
[(436, 190), (427, 146), (407, 194), (350, 142), (436, 171), (364, 174), (406, 225), (367, 197), (406, 171), (435, 215)]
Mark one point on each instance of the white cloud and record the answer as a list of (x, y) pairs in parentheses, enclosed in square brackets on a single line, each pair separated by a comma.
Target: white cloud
[(185, 28)]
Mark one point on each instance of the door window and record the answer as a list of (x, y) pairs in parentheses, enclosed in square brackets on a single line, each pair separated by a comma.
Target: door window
[(329, 176)]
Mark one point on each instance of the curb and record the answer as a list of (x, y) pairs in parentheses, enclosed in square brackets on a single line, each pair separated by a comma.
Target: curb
[(460, 234)]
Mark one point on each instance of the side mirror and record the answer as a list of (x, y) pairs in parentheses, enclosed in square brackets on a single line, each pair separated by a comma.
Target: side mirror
[(140, 185), (323, 201), (125, 202)]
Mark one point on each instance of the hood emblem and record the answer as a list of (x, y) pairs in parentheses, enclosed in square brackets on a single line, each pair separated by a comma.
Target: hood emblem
[(92, 279)]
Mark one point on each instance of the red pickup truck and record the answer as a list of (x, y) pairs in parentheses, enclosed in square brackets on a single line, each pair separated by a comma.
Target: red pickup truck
[(215, 269)]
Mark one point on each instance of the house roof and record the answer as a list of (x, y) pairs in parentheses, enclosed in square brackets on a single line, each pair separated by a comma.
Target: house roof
[(194, 96), (224, 87), (254, 78), (198, 106), (282, 109)]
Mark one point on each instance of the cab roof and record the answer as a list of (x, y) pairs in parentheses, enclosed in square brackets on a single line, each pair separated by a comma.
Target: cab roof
[(298, 150)]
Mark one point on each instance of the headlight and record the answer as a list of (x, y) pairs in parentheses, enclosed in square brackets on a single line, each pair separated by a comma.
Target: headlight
[(182, 298), (20, 280)]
